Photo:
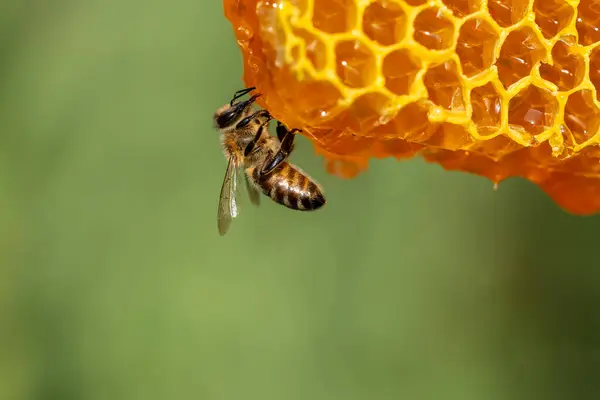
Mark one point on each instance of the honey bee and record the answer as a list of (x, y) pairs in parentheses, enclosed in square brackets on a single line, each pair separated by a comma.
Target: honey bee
[(248, 146)]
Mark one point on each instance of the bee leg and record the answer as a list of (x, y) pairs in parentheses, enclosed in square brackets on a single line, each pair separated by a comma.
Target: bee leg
[(285, 149), (261, 113), (251, 146), (241, 93), (283, 131)]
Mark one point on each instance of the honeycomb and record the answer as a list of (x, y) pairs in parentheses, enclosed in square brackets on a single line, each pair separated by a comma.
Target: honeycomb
[(498, 88)]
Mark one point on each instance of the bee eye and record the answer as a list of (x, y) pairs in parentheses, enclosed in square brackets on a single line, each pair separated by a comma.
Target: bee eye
[(228, 117)]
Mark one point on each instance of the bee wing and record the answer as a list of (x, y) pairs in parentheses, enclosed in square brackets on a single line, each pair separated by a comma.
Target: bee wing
[(253, 193), (228, 207)]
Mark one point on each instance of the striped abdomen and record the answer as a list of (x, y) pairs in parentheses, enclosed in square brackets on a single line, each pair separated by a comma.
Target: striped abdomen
[(288, 186)]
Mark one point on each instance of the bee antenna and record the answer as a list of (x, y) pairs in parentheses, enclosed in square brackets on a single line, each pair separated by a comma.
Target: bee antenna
[(241, 93), (254, 97)]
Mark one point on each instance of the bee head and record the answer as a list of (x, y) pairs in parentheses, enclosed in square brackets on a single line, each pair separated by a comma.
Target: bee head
[(230, 114)]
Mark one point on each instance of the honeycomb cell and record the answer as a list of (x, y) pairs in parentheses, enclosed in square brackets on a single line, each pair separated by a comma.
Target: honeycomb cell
[(315, 49), (411, 123), (582, 116), (433, 30), (366, 111), (334, 16), (450, 136), (487, 109), (475, 46), (331, 138), (461, 8), (552, 16), (496, 147), (444, 86), (588, 21), (542, 154), (520, 51), (312, 111), (532, 110), (415, 2), (355, 64), (384, 22), (507, 12), (364, 114), (399, 70), (567, 136), (595, 70), (568, 69)]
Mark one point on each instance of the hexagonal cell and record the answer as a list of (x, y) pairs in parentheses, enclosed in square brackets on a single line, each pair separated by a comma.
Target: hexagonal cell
[(542, 154), (444, 86), (399, 70), (552, 16), (568, 138), (317, 101), (520, 51), (496, 147), (532, 109), (415, 2), (355, 64), (507, 12), (384, 22), (462, 8), (450, 137), (433, 30), (412, 124), (315, 49), (359, 118), (568, 69), (334, 16), (364, 114), (487, 109), (339, 138), (582, 116), (475, 46), (588, 21), (595, 70)]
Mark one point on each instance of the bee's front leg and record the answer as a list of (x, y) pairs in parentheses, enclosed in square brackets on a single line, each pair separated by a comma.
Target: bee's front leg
[(250, 146), (259, 114), (286, 137)]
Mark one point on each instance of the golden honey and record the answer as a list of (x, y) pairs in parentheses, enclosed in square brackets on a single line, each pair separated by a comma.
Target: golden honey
[(499, 88)]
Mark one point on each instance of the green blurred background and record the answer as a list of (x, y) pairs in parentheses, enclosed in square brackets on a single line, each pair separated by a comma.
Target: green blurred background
[(411, 283)]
